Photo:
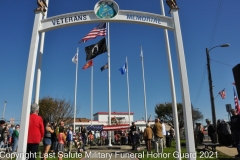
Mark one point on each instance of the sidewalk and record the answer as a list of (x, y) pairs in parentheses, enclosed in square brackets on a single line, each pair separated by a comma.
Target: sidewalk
[(230, 151)]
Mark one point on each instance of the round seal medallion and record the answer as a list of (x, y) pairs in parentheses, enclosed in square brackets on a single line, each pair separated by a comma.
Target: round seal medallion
[(106, 9)]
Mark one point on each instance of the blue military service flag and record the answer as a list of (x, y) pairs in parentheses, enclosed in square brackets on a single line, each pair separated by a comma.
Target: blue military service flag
[(123, 69)]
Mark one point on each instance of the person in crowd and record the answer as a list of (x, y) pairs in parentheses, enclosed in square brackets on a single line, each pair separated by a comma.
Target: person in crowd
[(47, 140), (35, 131), (129, 137), (235, 128), (90, 138), (227, 133), (158, 136), (164, 134), (2, 133), (133, 130), (61, 141), (148, 135), (57, 128), (54, 138), (15, 136), (84, 137), (103, 137), (199, 133), (137, 138), (117, 138), (171, 135), (172, 132), (10, 131), (70, 139), (141, 136), (219, 132), (78, 142), (126, 137), (211, 131), (123, 138)]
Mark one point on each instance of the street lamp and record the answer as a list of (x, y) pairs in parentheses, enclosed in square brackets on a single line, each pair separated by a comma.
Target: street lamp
[(210, 83)]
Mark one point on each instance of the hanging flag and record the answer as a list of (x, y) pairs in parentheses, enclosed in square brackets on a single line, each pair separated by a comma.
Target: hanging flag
[(88, 64), (75, 58), (94, 50), (100, 30), (104, 67), (222, 93), (236, 101), (123, 69)]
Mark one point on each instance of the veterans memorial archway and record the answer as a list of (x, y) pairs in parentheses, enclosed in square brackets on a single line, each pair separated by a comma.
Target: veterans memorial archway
[(105, 11)]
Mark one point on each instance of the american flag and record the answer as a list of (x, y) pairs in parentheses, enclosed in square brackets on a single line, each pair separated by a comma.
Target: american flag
[(100, 30), (236, 101), (223, 94)]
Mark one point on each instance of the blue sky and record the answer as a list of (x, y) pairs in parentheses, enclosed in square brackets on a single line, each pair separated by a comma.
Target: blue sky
[(203, 24)]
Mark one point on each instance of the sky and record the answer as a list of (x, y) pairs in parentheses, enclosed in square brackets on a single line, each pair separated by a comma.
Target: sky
[(204, 24)]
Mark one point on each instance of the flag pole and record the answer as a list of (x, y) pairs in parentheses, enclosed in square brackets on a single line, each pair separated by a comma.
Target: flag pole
[(75, 96), (144, 88), (91, 95), (109, 87), (128, 92)]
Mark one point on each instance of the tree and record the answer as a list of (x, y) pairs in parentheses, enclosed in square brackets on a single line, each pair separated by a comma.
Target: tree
[(56, 110), (165, 112)]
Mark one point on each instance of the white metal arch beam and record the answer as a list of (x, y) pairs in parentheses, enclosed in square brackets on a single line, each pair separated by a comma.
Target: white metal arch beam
[(85, 17)]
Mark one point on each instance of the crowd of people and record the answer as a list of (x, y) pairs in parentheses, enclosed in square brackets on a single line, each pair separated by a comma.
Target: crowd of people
[(153, 135), (9, 135), (57, 138), (225, 133)]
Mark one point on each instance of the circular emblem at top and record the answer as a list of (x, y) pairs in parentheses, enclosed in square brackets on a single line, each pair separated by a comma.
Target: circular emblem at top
[(106, 9)]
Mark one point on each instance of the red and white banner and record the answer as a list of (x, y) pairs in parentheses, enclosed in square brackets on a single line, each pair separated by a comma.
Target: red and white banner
[(116, 127)]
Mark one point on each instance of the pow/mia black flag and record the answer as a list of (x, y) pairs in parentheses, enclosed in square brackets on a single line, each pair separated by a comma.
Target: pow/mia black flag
[(96, 49)]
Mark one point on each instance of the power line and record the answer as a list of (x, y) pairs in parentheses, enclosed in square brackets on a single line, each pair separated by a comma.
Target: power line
[(222, 63), (215, 25), (201, 84)]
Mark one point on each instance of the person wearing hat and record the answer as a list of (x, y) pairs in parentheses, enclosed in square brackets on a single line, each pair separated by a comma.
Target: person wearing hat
[(148, 135), (35, 131), (15, 136)]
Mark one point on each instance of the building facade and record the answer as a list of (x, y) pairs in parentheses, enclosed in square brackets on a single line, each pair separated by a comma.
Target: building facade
[(101, 119)]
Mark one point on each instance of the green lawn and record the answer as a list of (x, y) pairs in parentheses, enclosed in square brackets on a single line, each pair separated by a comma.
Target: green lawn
[(170, 153)]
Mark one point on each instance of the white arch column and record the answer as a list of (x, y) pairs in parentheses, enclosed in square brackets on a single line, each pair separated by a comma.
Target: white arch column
[(39, 71), (28, 88), (184, 85)]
